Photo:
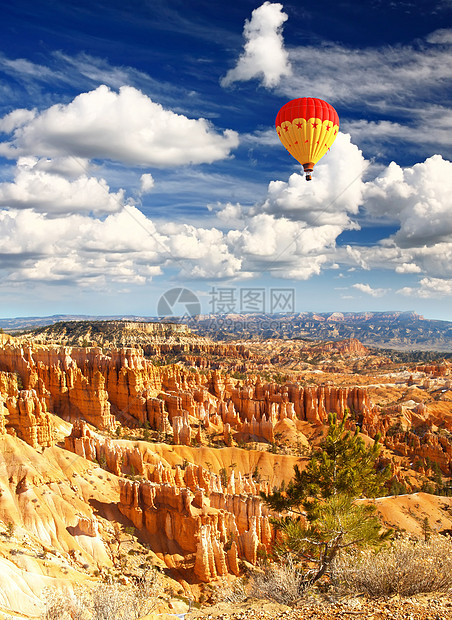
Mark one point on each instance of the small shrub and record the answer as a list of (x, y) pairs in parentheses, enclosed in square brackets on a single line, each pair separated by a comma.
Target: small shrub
[(146, 431), (406, 567), (102, 460), (105, 602), (10, 528), (223, 473), (397, 488), (64, 606), (109, 603), (282, 583), (20, 385), (235, 592)]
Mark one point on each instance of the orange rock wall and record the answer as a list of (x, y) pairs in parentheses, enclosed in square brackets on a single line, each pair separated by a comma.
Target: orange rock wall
[(24, 413)]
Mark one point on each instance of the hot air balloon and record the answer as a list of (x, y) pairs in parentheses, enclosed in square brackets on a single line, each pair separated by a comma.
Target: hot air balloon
[(307, 127)]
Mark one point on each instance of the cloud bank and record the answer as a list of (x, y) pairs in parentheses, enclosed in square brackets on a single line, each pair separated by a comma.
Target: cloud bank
[(60, 223)]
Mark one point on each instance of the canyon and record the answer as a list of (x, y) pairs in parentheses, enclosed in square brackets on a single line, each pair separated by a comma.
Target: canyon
[(162, 449)]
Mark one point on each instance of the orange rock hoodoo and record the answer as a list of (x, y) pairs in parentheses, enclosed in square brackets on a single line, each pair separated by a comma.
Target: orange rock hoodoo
[(216, 526), (185, 511), (85, 383), (24, 413), (213, 521)]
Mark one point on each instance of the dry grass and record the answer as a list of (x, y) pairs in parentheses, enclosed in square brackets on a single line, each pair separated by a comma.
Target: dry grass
[(65, 606), (406, 567), (282, 583), (228, 591), (105, 602)]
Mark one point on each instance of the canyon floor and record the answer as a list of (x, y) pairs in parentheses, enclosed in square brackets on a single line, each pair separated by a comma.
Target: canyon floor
[(130, 450)]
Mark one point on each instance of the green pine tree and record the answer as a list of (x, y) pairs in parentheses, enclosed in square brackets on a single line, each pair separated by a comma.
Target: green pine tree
[(322, 516), (426, 529)]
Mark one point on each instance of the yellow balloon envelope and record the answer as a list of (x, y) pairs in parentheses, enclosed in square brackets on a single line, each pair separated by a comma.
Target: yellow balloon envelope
[(307, 127)]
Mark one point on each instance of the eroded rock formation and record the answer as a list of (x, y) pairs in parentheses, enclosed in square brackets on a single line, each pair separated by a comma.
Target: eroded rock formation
[(124, 386), (213, 520), (24, 413), (214, 525)]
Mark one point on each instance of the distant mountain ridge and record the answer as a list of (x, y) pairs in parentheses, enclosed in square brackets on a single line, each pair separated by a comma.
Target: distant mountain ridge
[(402, 331)]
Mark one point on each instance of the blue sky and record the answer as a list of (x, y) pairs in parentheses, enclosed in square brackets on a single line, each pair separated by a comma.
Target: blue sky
[(138, 154)]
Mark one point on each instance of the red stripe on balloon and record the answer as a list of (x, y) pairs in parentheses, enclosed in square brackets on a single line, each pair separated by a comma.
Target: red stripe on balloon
[(307, 107)]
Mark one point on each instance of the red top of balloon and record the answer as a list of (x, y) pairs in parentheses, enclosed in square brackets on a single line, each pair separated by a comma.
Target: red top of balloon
[(307, 107)]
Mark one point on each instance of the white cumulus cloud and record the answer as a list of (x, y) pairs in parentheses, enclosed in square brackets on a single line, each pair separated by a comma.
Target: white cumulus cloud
[(287, 249), (146, 183), (230, 215), (408, 268), (125, 126), (441, 36), (201, 252), (264, 55), (293, 233), (16, 119), (419, 197), (38, 185), (123, 247), (428, 288), (335, 193)]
